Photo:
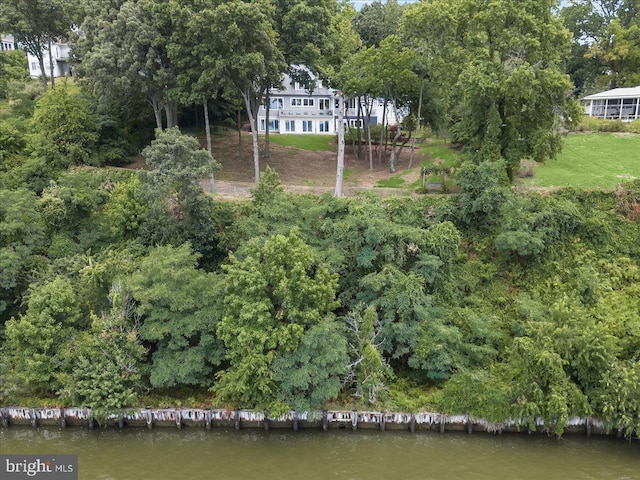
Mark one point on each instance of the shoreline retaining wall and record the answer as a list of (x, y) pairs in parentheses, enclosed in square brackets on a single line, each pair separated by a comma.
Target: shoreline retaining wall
[(325, 420)]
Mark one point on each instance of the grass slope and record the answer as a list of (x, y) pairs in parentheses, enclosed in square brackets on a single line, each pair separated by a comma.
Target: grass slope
[(598, 160), (314, 143)]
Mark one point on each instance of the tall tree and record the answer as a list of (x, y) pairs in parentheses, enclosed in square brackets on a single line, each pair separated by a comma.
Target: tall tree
[(606, 45), (274, 298), (377, 20), (504, 58), (179, 307), (244, 57), (123, 53), (343, 43), (34, 23)]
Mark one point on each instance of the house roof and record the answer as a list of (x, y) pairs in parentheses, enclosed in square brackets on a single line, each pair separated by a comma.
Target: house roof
[(632, 92)]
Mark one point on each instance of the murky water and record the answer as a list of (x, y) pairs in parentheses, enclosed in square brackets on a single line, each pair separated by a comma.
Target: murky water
[(163, 454)]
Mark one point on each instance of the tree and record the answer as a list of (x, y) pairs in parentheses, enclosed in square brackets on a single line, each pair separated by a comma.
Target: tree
[(123, 54), (369, 371), (504, 61), (106, 360), (243, 56), (274, 297), (605, 47), (377, 20), (177, 209), (21, 234), (343, 42), (395, 67), (37, 341), (13, 68), (179, 308), (34, 23)]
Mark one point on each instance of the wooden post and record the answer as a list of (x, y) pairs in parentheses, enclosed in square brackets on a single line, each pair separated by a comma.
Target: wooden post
[(295, 422), (4, 416), (34, 418), (442, 423), (63, 420), (207, 418), (149, 414), (382, 422), (412, 424), (354, 420), (325, 421), (91, 422), (237, 422), (265, 422), (469, 425), (121, 422), (178, 418), (589, 426)]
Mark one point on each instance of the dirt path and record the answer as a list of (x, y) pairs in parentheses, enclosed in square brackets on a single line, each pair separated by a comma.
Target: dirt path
[(300, 171)]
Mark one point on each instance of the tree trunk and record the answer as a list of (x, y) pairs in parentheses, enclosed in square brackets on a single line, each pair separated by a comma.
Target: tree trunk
[(253, 120), (45, 85), (51, 72), (418, 123), (239, 122), (207, 127), (267, 144), (340, 168), (171, 112), (367, 128), (392, 157), (156, 104), (383, 139), (358, 129)]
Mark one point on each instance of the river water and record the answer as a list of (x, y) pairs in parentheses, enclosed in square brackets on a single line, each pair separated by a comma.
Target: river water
[(194, 454)]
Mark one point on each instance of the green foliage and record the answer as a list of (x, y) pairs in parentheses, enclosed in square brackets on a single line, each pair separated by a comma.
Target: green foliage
[(180, 307), (484, 191), (176, 207), (106, 361), (13, 68), (274, 295), (21, 235), (369, 371)]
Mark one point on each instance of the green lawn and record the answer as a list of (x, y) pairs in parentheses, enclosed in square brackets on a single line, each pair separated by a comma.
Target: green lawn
[(315, 143), (438, 148), (597, 160)]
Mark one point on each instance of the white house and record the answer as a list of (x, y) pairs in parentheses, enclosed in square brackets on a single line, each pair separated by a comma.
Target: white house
[(7, 42), (617, 104), (294, 110), (60, 56)]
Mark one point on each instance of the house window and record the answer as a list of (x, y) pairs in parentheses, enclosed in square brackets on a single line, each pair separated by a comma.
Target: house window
[(290, 125), (597, 108), (323, 104), (302, 102), (298, 86), (307, 126), (34, 66), (356, 123), (275, 104), (324, 126)]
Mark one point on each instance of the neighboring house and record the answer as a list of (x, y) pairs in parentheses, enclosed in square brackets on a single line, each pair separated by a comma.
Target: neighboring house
[(617, 104), (7, 42), (294, 110), (60, 56)]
